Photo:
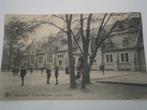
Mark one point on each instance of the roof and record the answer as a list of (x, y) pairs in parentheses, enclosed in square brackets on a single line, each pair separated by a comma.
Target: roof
[(127, 30)]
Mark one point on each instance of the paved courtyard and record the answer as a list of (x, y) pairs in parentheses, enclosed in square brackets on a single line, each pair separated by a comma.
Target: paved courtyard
[(129, 86)]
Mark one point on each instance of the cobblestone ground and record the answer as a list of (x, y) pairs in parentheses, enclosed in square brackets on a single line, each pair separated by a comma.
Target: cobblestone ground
[(36, 88)]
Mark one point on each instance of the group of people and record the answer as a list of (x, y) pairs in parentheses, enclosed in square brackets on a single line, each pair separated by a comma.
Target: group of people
[(48, 72), (23, 72), (15, 71)]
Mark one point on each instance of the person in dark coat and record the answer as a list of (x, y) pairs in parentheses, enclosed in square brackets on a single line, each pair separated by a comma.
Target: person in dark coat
[(67, 70), (56, 74), (23, 73), (48, 72), (102, 68), (16, 71), (31, 70), (41, 70), (13, 71)]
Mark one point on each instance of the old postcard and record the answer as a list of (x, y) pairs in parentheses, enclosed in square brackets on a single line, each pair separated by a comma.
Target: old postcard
[(73, 56)]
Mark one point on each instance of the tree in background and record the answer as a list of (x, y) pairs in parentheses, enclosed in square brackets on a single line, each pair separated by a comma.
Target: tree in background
[(15, 31)]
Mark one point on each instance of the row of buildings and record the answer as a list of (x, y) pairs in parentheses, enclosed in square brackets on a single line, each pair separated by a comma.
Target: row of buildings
[(124, 50)]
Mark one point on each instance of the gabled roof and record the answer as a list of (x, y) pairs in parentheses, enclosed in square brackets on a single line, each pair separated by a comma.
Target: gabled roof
[(129, 29)]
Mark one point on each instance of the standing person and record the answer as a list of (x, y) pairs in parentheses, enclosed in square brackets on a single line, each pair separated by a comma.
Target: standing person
[(102, 68), (31, 70), (67, 70), (48, 72), (41, 70), (13, 71), (56, 74), (17, 70), (23, 73)]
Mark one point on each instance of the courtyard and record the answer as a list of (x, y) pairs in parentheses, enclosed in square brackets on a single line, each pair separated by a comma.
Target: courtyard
[(100, 88)]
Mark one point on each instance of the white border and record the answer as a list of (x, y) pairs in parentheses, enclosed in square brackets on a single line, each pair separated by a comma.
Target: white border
[(74, 6)]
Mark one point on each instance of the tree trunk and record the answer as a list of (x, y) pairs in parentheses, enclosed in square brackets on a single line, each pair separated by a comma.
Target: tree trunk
[(70, 53), (84, 72), (10, 55), (88, 75), (87, 72), (86, 51)]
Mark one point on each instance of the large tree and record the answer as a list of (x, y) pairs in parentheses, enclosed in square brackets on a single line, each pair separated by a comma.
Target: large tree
[(70, 51), (85, 42), (112, 20), (67, 21), (15, 30)]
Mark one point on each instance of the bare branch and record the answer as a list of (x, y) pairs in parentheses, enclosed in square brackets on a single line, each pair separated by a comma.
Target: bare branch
[(112, 35), (58, 27), (81, 29), (88, 32), (107, 20), (30, 44), (100, 28), (88, 26), (70, 17), (78, 20), (60, 17), (92, 57), (77, 42), (45, 22), (108, 35), (66, 16)]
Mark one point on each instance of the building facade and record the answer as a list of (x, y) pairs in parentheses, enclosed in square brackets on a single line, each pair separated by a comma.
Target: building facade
[(125, 50)]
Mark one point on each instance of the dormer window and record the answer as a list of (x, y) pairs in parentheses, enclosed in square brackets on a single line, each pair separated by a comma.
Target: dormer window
[(125, 42), (119, 27), (109, 44)]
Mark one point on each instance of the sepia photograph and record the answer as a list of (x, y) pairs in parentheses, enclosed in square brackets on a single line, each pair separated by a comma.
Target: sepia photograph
[(87, 56)]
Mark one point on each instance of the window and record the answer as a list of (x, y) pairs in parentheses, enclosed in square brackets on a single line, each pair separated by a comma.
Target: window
[(32, 59), (60, 62), (124, 57), (125, 42), (109, 44), (109, 58), (60, 56), (49, 59), (119, 26), (40, 59)]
